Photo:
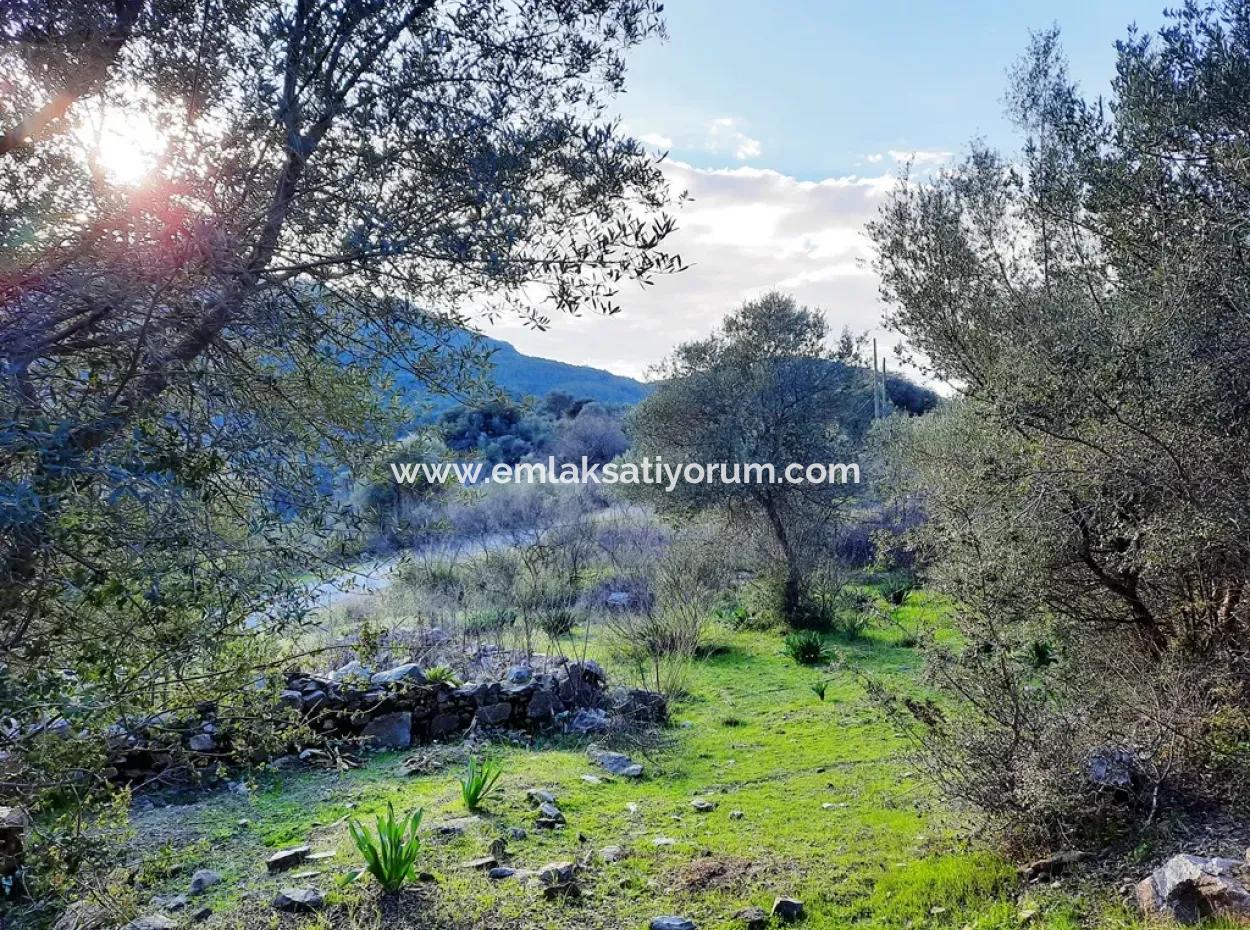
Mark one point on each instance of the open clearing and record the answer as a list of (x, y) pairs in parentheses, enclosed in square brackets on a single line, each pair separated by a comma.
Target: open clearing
[(813, 800)]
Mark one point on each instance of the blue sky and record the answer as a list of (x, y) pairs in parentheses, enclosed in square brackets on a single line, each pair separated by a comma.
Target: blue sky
[(787, 122), (821, 85)]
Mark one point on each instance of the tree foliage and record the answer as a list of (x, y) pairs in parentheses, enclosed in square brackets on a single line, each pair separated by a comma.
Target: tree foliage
[(1090, 300), (187, 363), (762, 390)]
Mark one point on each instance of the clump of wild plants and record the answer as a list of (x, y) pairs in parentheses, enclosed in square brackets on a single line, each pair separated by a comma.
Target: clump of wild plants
[(806, 647), (480, 781), (391, 852), (819, 688), (441, 675)]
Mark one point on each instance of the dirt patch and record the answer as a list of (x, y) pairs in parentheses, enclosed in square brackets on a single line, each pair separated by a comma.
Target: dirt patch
[(716, 874)]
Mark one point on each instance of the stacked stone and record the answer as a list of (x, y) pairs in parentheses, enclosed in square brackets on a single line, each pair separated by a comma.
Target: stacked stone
[(395, 708)]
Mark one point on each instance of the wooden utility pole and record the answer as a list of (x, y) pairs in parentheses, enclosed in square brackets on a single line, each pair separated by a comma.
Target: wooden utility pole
[(876, 397), (885, 407)]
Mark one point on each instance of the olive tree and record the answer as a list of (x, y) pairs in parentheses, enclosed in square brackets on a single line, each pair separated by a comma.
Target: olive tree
[(1088, 487), (761, 391), (189, 363)]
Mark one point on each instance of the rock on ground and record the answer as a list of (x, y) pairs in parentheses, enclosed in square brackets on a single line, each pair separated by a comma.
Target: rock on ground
[(287, 858), (1190, 888), (299, 900), (752, 918), (672, 923), (203, 879), (557, 873), (617, 763), (152, 922), (788, 909)]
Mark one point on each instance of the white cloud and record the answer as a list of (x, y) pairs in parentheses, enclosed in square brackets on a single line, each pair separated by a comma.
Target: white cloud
[(656, 140), (726, 138), (746, 231), (920, 157)]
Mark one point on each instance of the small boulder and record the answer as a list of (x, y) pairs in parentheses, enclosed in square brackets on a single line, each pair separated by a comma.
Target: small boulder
[(202, 742), (500, 872), (482, 863), (287, 858), (1188, 889), (588, 720), (493, 715), (352, 670), (203, 879), (557, 873), (613, 853), (519, 675), (703, 806), (671, 923), (409, 673), (456, 826), (564, 891), (788, 910), (752, 918), (540, 796), (617, 763), (550, 812), (299, 900)]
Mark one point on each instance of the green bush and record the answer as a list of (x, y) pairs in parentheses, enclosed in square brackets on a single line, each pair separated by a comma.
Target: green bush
[(806, 647), (391, 853), (479, 781)]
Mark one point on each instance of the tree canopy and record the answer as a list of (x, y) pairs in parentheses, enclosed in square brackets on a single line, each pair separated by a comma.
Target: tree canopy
[(1089, 300), (763, 390), (186, 362)]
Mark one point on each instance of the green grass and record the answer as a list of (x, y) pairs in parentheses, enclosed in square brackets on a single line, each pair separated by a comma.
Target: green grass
[(830, 814)]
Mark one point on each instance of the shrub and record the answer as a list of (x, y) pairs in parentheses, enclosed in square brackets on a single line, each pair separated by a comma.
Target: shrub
[(895, 586), (390, 854), (479, 781), (557, 621), (806, 647), (819, 688), (490, 621)]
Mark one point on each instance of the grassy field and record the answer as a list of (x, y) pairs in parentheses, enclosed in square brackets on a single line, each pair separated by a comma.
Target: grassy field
[(829, 814)]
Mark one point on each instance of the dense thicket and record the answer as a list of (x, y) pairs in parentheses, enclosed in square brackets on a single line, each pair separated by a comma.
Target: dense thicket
[(1089, 491)]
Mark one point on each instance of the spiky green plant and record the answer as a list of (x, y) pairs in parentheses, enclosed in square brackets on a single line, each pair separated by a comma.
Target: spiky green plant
[(819, 688), (479, 781), (806, 647), (390, 854), (441, 674)]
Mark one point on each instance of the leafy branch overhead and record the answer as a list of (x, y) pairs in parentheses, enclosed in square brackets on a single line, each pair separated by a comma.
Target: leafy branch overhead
[(192, 364)]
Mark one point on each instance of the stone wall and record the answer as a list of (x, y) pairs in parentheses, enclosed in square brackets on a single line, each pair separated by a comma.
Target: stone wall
[(398, 707)]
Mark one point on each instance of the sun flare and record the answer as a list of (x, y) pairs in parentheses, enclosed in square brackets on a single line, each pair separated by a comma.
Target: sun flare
[(123, 143)]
